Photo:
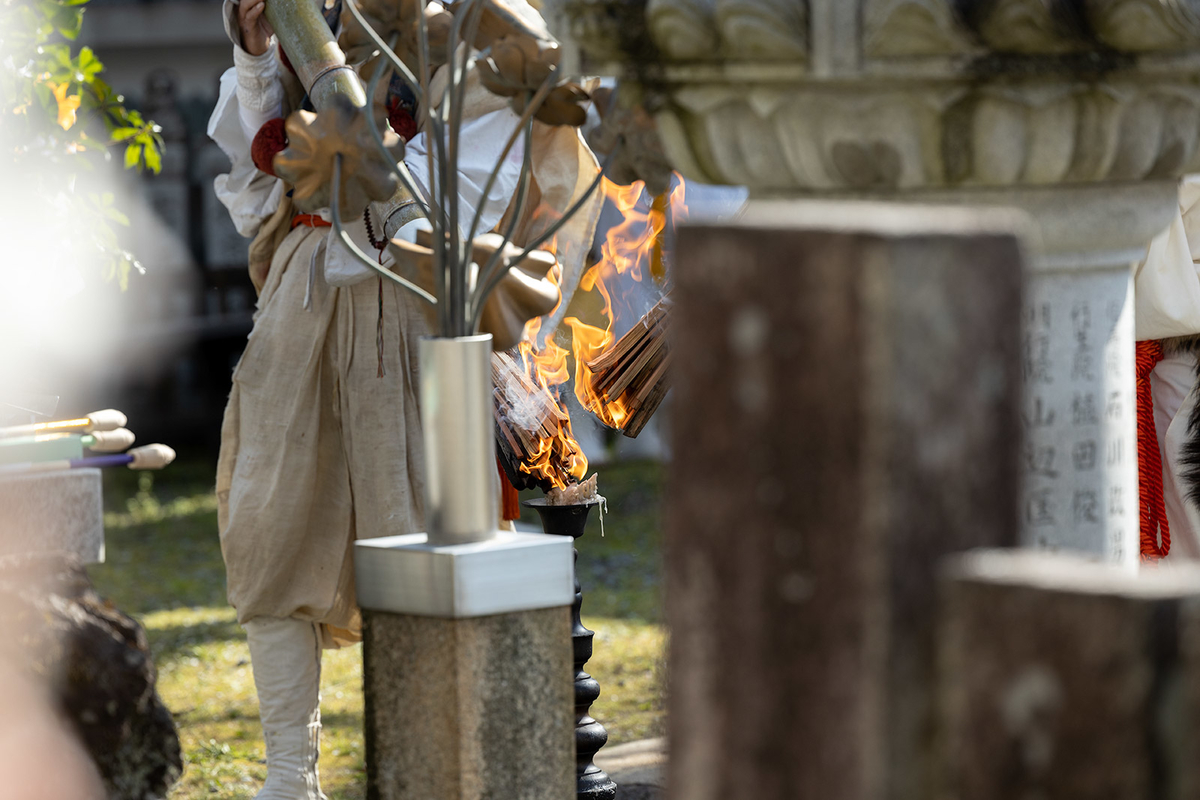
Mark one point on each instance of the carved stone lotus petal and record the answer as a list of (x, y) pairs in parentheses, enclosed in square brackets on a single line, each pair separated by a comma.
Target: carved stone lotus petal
[(804, 96), (684, 29), (1145, 25), (913, 28), (763, 29)]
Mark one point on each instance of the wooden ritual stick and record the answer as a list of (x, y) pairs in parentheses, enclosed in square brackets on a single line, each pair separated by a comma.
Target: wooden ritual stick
[(150, 456), (107, 420), (633, 371)]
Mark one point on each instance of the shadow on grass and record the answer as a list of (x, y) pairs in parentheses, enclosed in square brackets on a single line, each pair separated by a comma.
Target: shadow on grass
[(174, 641)]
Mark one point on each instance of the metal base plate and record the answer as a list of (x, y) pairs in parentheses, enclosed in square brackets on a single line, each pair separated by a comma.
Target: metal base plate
[(510, 572)]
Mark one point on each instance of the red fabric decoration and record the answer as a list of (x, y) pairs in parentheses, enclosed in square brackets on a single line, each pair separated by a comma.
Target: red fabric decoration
[(401, 121), (1152, 515), (270, 139), (510, 501)]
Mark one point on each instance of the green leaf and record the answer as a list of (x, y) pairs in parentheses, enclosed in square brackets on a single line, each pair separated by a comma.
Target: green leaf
[(121, 134), (153, 157), (133, 156), (88, 65)]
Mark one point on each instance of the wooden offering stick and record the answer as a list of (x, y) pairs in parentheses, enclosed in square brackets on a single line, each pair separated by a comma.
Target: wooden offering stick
[(107, 420), (114, 441), (150, 456)]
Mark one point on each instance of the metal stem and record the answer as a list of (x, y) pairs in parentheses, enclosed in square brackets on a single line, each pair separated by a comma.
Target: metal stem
[(386, 51), (402, 174), (348, 243), (454, 123), (483, 291), (485, 271), (530, 109), (436, 218)]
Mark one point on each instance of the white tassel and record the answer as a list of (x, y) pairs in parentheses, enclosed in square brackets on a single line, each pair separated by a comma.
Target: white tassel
[(151, 456), (107, 420)]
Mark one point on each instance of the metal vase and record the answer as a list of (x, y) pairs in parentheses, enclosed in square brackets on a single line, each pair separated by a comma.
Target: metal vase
[(462, 492)]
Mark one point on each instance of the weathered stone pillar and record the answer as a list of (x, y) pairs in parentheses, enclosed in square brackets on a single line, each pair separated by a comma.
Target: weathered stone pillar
[(846, 413), (1067, 679), (1082, 112), (467, 668)]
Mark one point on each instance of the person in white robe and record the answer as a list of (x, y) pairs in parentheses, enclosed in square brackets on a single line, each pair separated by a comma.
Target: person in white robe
[(321, 442), (1167, 311)]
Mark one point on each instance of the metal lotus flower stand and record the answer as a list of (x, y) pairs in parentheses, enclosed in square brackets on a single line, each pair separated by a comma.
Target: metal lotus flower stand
[(463, 581), (591, 782)]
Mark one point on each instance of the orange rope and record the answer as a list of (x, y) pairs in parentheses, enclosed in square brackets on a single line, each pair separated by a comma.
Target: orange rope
[(311, 220), (1152, 510)]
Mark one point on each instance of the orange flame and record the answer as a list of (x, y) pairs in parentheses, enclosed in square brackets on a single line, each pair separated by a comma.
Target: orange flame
[(558, 457), (637, 239)]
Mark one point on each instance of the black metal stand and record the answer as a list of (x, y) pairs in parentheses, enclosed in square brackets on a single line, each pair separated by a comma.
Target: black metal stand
[(591, 782)]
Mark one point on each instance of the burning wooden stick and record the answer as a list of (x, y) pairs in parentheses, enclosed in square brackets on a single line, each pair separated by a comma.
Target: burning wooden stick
[(533, 431), (632, 374)]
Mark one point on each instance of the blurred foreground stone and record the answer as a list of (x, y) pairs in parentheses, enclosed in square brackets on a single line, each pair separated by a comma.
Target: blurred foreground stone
[(53, 512), (846, 415), (1067, 679), (97, 665)]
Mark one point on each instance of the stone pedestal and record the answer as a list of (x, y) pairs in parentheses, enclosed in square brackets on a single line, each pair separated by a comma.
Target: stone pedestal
[(470, 709), (1064, 679), (467, 667), (53, 512), (1082, 112), (846, 413)]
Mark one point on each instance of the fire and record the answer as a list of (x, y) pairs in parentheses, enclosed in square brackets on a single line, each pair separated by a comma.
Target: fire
[(587, 342), (558, 459), (532, 415), (637, 240)]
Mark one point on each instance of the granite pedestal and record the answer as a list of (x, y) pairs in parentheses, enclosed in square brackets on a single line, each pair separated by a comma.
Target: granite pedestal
[(467, 668)]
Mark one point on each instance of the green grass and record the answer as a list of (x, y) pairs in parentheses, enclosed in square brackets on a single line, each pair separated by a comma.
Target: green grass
[(164, 567)]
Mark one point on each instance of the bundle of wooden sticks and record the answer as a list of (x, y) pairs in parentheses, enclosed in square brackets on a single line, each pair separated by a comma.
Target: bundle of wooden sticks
[(633, 371), (529, 421)]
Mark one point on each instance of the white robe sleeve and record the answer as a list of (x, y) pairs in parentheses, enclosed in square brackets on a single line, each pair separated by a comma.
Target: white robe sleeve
[(251, 195), (481, 140), (1167, 282)]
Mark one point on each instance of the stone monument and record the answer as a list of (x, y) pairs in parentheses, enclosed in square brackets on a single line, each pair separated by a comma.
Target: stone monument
[(1081, 112)]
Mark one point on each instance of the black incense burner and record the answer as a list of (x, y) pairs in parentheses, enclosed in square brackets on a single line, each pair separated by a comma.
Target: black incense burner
[(591, 782)]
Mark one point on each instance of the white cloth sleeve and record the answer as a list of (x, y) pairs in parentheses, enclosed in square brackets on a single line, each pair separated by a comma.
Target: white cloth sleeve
[(481, 141), (251, 195), (1167, 282), (259, 90)]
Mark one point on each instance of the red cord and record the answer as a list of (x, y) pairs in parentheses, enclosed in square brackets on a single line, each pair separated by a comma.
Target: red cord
[(1152, 510), (510, 501)]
